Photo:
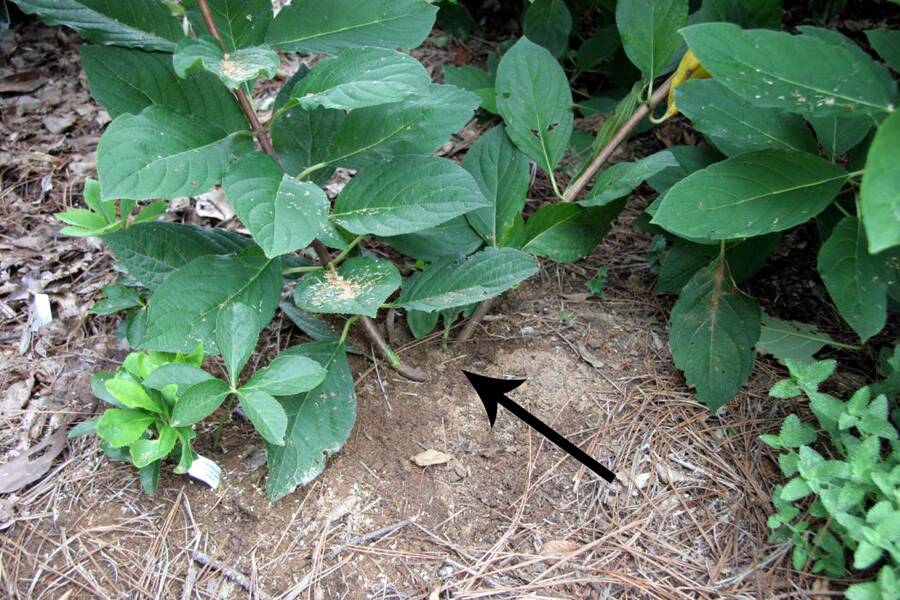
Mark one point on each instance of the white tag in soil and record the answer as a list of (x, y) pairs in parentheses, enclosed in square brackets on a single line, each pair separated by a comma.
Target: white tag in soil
[(206, 471)]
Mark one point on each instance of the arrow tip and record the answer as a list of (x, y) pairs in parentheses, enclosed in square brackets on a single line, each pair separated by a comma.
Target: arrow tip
[(490, 390)]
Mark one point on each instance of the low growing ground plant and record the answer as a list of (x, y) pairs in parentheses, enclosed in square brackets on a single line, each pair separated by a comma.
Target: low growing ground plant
[(840, 508)]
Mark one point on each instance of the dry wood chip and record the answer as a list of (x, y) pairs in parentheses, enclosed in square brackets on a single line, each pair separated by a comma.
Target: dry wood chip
[(431, 457), (559, 548)]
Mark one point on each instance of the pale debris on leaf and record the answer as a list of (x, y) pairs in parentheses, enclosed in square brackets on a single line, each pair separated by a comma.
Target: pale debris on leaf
[(431, 457)]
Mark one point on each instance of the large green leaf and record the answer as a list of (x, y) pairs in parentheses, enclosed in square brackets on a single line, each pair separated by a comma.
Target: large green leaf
[(300, 136), (145, 451), (746, 13), (128, 81), (418, 125), (451, 282), (318, 422), (453, 238), (478, 81), (151, 251), (799, 73), (501, 172), (232, 68), (286, 375), (886, 43), (649, 32), (880, 192), (735, 125), (183, 309), (267, 415), (161, 154), (407, 194), (714, 329), (360, 287), (685, 258), (361, 77), (123, 427), (147, 24), (237, 329), (549, 23), (242, 23), (837, 134), (283, 213), (314, 26), (622, 178), (199, 401), (856, 281), (567, 232), (750, 194), (790, 339), (534, 98)]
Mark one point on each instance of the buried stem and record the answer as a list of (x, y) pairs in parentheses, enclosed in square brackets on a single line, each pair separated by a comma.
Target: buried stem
[(581, 182)]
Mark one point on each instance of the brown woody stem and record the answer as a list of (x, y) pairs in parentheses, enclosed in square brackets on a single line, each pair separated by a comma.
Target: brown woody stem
[(577, 186), (321, 251)]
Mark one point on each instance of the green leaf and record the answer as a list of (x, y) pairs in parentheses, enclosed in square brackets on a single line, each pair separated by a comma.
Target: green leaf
[(735, 125), (98, 388), (534, 98), (199, 401), (549, 23), (856, 281), (310, 324), (880, 192), (318, 422), (360, 287), (453, 238), (407, 194), (621, 179), (598, 48), (712, 333), (690, 159), (837, 135), (87, 427), (418, 125), (649, 32), (128, 81), (684, 259), (237, 329), (886, 43), (161, 154), (146, 24), (118, 298), (750, 194), (790, 339), (132, 395), (795, 433), (183, 309), (181, 375), (286, 375), (795, 489), (567, 232), (421, 323), (449, 282), (361, 77), (475, 80), (152, 251), (145, 451), (597, 285), (282, 213), (267, 415), (865, 555), (798, 73), (502, 174), (311, 26), (121, 428), (149, 477), (232, 68), (300, 136), (242, 23)]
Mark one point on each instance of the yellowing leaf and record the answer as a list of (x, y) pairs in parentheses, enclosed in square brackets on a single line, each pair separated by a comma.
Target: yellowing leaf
[(689, 68)]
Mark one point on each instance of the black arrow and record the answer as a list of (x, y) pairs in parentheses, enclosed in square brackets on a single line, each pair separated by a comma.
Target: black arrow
[(492, 392)]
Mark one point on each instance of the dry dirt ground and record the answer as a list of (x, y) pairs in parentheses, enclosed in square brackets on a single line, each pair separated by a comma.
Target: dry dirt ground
[(509, 516)]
